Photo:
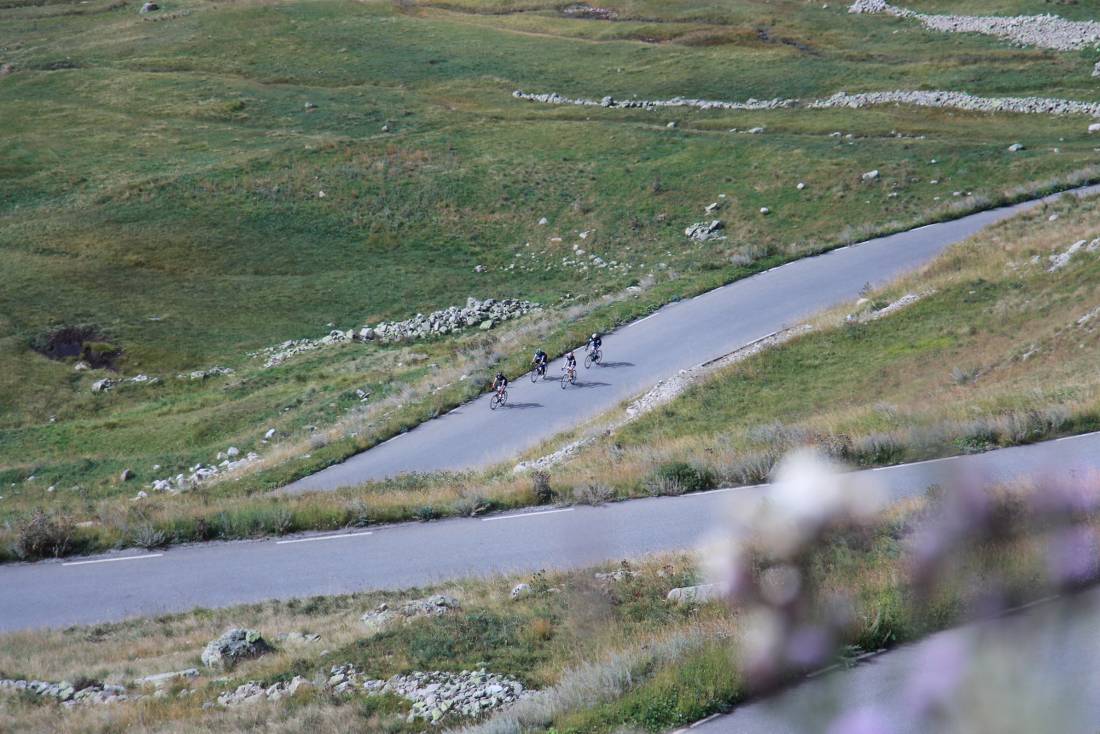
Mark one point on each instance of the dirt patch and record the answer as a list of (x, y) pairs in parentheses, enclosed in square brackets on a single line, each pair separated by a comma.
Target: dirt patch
[(85, 341)]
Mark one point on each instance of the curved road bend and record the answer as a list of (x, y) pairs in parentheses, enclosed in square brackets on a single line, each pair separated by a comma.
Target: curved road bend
[(678, 336), (135, 583), (1032, 671)]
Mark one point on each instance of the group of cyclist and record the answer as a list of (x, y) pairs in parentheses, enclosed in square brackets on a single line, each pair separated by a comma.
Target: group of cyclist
[(541, 359)]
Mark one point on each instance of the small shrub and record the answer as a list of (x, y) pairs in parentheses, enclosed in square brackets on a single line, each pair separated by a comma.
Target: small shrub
[(471, 505), (359, 513), (753, 469), (878, 448), (540, 485), (592, 493), (659, 486), (43, 536), (541, 629), (424, 513), (148, 536), (686, 477)]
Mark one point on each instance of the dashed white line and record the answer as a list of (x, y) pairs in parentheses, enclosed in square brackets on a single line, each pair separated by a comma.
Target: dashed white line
[(112, 560), (323, 537), (525, 514)]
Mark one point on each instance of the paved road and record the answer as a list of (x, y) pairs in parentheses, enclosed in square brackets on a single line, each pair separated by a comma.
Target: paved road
[(676, 337), (129, 583), (1033, 671)]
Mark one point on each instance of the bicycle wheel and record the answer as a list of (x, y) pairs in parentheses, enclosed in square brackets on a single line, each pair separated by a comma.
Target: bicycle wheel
[(598, 356), (494, 401), (564, 380), (504, 398), (534, 375), (588, 359)]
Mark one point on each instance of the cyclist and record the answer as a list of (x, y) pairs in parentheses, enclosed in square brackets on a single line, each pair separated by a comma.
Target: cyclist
[(540, 360), (594, 344), (500, 383), (571, 363)]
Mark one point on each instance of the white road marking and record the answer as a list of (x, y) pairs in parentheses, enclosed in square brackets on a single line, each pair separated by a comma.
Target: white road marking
[(644, 318), (112, 560), (918, 463), (324, 537), (525, 514), (716, 491)]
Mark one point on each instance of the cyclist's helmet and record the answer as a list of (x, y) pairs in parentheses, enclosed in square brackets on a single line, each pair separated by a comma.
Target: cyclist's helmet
[(595, 335), (570, 352), (500, 375)]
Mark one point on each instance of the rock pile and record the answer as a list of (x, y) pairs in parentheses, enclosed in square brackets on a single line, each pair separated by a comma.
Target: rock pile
[(233, 646), (961, 101), (703, 231), (437, 694), (383, 617), (581, 10), (938, 99), (1044, 31), (206, 374), (484, 314), (654, 104), (1059, 261), (253, 692), (200, 473), (65, 693)]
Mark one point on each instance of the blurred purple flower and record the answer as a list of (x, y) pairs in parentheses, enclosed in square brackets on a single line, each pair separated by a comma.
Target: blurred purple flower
[(1073, 556), (866, 720), (937, 674)]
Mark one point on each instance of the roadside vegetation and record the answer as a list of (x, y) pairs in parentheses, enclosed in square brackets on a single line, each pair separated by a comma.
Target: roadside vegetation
[(602, 651), (214, 179), (997, 351)]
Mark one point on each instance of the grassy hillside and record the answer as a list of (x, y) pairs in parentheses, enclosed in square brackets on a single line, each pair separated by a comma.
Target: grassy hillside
[(161, 180)]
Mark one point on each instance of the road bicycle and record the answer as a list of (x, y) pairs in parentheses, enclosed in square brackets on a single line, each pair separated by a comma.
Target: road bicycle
[(539, 371), (568, 377), (500, 397), (593, 357)]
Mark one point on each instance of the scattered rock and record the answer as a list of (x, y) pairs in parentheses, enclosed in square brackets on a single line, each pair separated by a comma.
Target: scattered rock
[(81, 366), (1015, 148), (1059, 261), (103, 385), (671, 125), (310, 106), (520, 591), (127, 475), (205, 374), (543, 222), (870, 175), (269, 434), (1094, 128), (162, 679), (765, 211), (695, 594), (479, 269), (233, 646), (382, 616), (65, 693), (232, 452), (703, 231), (149, 7), (6, 69), (800, 186)]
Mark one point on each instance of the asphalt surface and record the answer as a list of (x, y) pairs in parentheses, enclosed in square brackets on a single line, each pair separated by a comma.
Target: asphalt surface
[(135, 583), (637, 356), (1031, 671)]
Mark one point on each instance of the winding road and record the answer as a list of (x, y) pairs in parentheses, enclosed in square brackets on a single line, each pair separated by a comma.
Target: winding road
[(679, 336), (135, 583)]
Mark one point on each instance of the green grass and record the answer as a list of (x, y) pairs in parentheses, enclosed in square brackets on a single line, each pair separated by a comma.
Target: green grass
[(160, 179)]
